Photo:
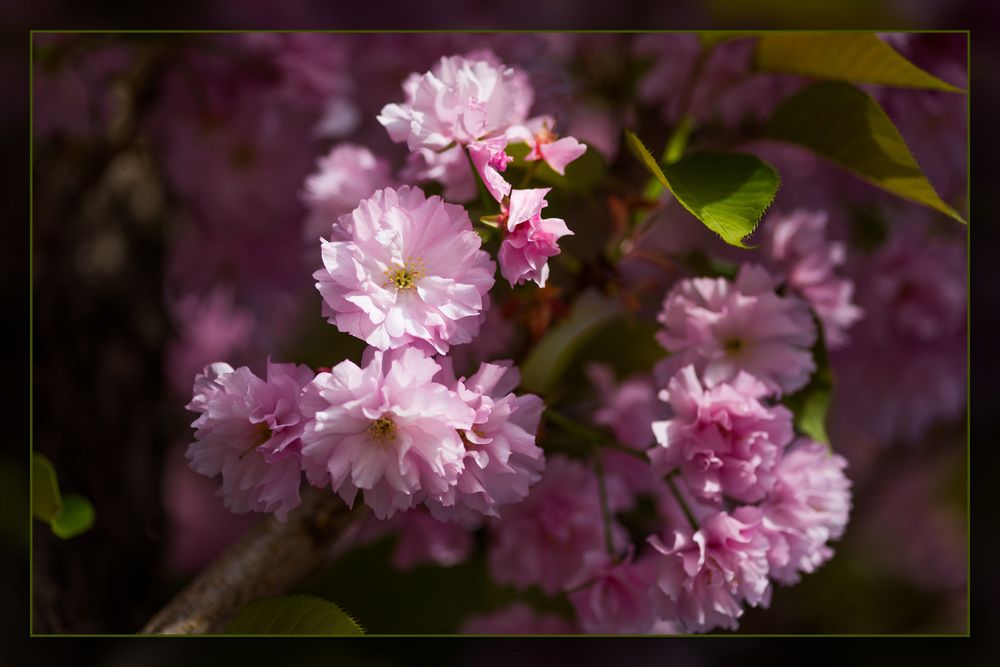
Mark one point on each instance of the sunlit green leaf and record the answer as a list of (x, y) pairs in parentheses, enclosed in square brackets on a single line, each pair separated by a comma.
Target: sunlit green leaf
[(845, 125), (857, 57), (293, 615), (727, 192)]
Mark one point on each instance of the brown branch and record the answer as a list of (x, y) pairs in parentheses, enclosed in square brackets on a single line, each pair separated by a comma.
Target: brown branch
[(266, 562)]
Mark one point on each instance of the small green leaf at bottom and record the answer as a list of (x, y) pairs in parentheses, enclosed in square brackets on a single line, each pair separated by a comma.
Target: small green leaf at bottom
[(293, 615)]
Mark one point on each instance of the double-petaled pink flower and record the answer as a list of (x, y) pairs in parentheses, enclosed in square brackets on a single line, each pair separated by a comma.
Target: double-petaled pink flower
[(722, 440), (502, 460), (410, 271), (386, 429), (724, 327), (705, 577), (249, 431)]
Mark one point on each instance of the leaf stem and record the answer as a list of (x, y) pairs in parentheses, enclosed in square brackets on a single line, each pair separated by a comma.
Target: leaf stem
[(602, 491)]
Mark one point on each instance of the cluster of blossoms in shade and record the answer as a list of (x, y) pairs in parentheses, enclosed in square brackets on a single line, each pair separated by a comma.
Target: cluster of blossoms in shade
[(741, 502)]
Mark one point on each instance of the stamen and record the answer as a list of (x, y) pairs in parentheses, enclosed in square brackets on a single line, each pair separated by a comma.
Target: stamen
[(382, 429), (406, 276)]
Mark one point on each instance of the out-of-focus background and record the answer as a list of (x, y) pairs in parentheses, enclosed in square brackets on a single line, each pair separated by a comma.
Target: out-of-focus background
[(164, 165)]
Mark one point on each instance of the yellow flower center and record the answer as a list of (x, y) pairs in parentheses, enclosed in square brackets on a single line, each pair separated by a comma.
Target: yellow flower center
[(406, 276), (382, 429)]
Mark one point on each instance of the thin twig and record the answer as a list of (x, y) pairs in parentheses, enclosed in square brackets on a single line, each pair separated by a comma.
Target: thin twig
[(680, 500)]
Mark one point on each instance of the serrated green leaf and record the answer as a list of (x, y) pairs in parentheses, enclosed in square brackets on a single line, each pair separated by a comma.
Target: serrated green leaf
[(293, 615), (46, 501), (727, 192), (548, 360), (76, 517), (856, 57), (846, 126)]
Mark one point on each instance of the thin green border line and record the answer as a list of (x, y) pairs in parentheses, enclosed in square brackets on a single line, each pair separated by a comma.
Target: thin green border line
[(31, 318)]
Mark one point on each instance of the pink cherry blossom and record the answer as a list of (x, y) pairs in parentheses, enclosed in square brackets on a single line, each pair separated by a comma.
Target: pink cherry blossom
[(530, 241), (249, 432), (614, 597), (412, 271), (517, 619), (501, 458), (705, 577), (385, 428), (808, 507), (722, 440), (343, 177), (724, 327), (461, 100), (542, 540), (797, 245), (543, 144)]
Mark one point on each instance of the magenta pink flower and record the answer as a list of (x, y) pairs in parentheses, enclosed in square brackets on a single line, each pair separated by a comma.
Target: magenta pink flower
[(808, 507), (704, 578), (542, 540), (530, 241), (544, 144), (722, 440), (249, 432), (412, 271), (517, 619), (386, 428), (344, 176), (424, 540), (501, 458), (798, 246), (724, 327), (614, 597), (461, 100)]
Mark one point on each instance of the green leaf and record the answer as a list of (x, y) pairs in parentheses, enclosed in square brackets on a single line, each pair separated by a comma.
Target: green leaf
[(857, 57), (811, 404), (846, 126), (46, 501), (547, 362), (77, 517), (727, 192), (293, 615)]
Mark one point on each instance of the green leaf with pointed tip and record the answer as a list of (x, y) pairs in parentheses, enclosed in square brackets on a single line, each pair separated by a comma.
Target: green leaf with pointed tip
[(727, 192), (846, 126), (46, 501), (76, 517), (293, 615), (856, 57), (547, 362)]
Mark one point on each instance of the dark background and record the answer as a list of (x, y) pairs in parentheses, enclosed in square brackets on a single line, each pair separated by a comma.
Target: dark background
[(130, 375)]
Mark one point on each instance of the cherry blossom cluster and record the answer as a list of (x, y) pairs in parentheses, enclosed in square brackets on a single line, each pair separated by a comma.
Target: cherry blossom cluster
[(406, 273), (740, 501)]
